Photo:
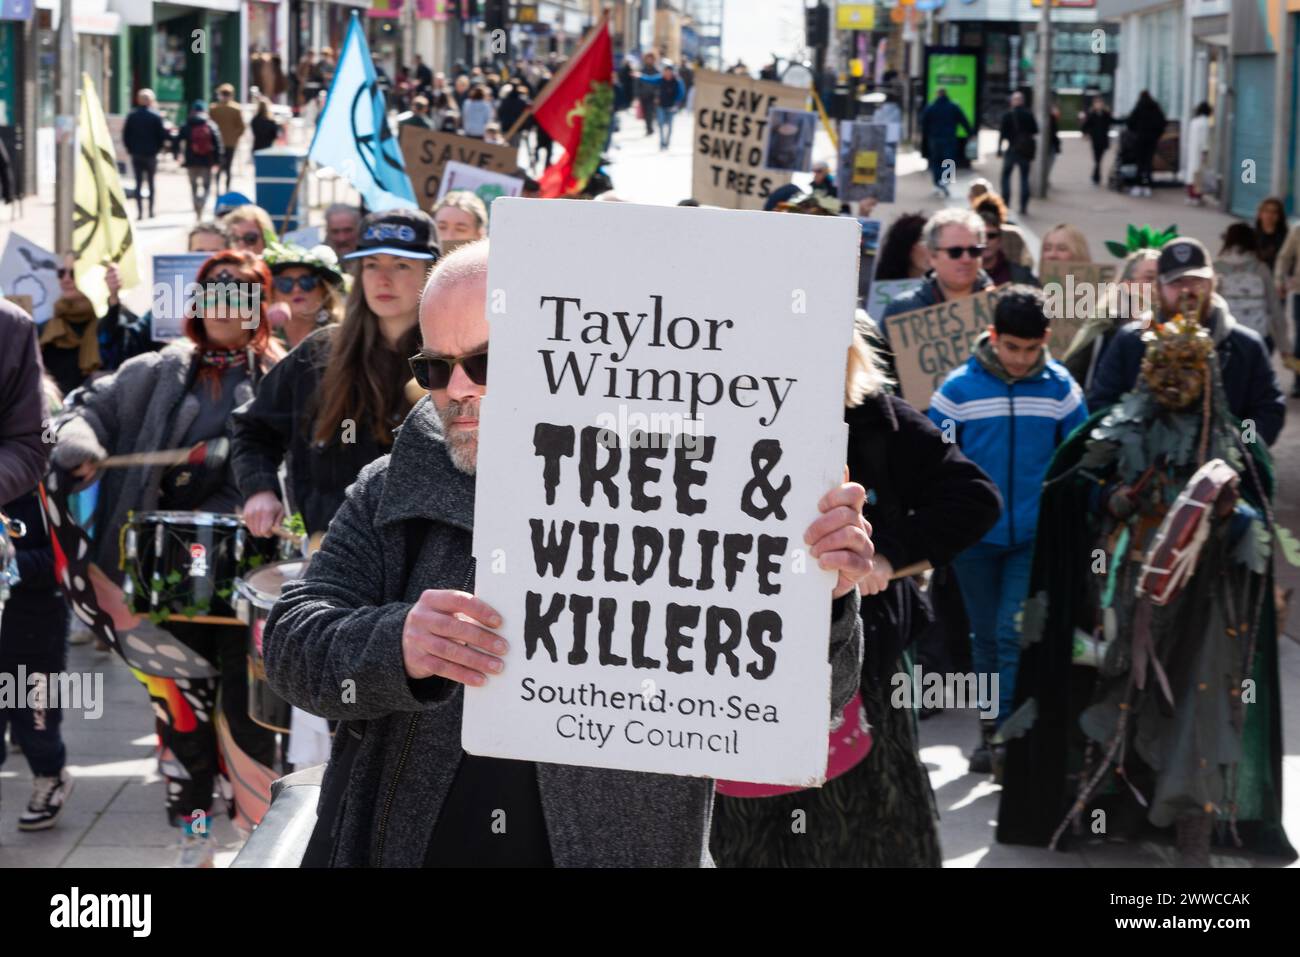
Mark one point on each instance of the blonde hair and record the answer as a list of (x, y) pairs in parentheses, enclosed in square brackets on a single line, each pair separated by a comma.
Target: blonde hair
[(1129, 266), (864, 375), (467, 202), (1078, 242), (256, 213)]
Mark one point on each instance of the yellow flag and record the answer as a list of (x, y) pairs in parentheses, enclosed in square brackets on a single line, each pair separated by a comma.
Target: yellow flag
[(101, 231)]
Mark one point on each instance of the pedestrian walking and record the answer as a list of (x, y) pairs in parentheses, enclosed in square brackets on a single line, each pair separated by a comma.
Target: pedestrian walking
[(201, 140), (1146, 121), (144, 135), (939, 124), (1246, 283), (1095, 125), (228, 114), (419, 117), (671, 94), (1009, 407), (265, 129), (477, 113), (1019, 131), (33, 653), (1286, 277), (1198, 154), (647, 92), (1270, 229)]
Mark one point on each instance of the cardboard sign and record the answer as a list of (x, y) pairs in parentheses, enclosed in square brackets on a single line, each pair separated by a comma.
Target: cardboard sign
[(426, 155), (1073, 293), (650, 453), (174, 289), (731, 119), (866, 162), (22, 302), (929, 343), (789, 144), (27, 269), (484, 184), (885, 291)]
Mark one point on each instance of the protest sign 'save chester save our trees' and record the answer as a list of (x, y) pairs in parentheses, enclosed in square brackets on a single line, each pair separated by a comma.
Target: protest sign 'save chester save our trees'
[(652, 448)]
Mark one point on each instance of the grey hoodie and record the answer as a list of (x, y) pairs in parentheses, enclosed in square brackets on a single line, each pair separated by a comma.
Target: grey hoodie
[(344, 622)]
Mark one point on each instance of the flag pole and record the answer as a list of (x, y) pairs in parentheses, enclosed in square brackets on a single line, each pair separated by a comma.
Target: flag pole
[(560, 77), (293, 198)]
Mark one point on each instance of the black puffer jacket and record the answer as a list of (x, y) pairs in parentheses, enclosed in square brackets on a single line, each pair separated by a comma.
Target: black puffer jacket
[(925, 501), (279, 422)]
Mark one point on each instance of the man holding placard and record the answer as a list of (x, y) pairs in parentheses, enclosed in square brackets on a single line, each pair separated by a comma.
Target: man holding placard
[(385, 627), (956, 241)]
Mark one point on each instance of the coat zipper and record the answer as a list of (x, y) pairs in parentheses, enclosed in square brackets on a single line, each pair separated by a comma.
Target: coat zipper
[(406, 750), (1011, 464)]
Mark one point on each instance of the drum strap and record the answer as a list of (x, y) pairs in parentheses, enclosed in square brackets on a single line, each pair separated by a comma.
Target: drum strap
[(320, 848)]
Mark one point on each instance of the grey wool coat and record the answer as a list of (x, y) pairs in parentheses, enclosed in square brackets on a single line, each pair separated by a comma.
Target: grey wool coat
[(344, 620), (145, 405)]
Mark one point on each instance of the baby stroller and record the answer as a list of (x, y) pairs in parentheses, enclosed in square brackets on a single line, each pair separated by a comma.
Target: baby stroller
[(1124, 171)]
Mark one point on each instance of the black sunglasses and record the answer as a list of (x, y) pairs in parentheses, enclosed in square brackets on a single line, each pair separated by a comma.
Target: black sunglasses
[(63, 272), (955, 252), (248, 239), (434, 373), (306, 283)]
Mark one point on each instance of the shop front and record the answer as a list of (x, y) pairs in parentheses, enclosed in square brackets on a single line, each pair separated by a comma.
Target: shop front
[(1084, 52)]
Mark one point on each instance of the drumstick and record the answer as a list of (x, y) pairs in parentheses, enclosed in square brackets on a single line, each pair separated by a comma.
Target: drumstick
[(908, 571), (192, 456)]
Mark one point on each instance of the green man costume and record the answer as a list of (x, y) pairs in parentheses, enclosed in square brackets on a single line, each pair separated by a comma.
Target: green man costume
[(1148, 683)]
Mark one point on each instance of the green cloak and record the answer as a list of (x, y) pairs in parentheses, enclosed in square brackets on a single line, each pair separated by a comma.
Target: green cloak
[(1055, 699)]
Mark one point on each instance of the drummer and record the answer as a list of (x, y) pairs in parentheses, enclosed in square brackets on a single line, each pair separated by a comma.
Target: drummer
[(176, 398), (332, 405)]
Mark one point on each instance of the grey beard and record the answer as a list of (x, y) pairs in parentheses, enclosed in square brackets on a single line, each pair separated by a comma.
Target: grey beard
[(462, 448)]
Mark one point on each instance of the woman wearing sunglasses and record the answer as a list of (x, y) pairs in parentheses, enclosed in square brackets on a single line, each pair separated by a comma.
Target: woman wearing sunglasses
[(176, 398), (331, 407), (70, 339), (250, 228), (305, 290)]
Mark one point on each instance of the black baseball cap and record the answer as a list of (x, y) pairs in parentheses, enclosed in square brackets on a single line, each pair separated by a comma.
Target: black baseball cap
[(409, 233), (1184, 257)]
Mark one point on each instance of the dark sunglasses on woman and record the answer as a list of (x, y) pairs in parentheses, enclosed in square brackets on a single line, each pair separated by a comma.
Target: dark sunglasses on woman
[(247, 239), (306, 283), (433, 373), (955, 252)]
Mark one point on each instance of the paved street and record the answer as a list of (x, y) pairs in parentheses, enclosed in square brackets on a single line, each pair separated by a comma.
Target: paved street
[(116, 817)]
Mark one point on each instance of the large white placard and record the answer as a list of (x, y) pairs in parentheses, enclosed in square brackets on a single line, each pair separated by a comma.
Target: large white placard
[(662, 611)]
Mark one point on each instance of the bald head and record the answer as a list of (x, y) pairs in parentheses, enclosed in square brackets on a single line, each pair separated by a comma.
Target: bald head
[(453, 324)]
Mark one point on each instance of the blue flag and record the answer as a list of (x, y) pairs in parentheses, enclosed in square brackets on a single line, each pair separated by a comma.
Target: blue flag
[(352, 134)]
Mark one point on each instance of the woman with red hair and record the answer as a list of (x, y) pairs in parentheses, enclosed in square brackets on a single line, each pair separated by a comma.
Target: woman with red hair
[(175, 399)]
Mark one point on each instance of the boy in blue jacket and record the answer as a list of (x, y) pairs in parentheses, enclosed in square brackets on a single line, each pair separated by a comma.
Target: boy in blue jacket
[(1007, 408)]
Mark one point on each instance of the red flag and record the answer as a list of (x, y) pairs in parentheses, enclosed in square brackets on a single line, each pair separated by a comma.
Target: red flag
[(576, 108)]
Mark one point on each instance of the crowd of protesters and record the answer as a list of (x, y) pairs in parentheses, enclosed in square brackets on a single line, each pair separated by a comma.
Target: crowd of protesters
[(956, 487)]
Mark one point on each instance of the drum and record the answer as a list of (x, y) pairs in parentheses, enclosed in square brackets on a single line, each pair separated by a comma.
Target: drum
[(182, 566), (256, 594)]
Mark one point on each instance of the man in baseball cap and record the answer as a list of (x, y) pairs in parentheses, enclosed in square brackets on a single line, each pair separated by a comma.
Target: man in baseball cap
[(1185, 284)]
